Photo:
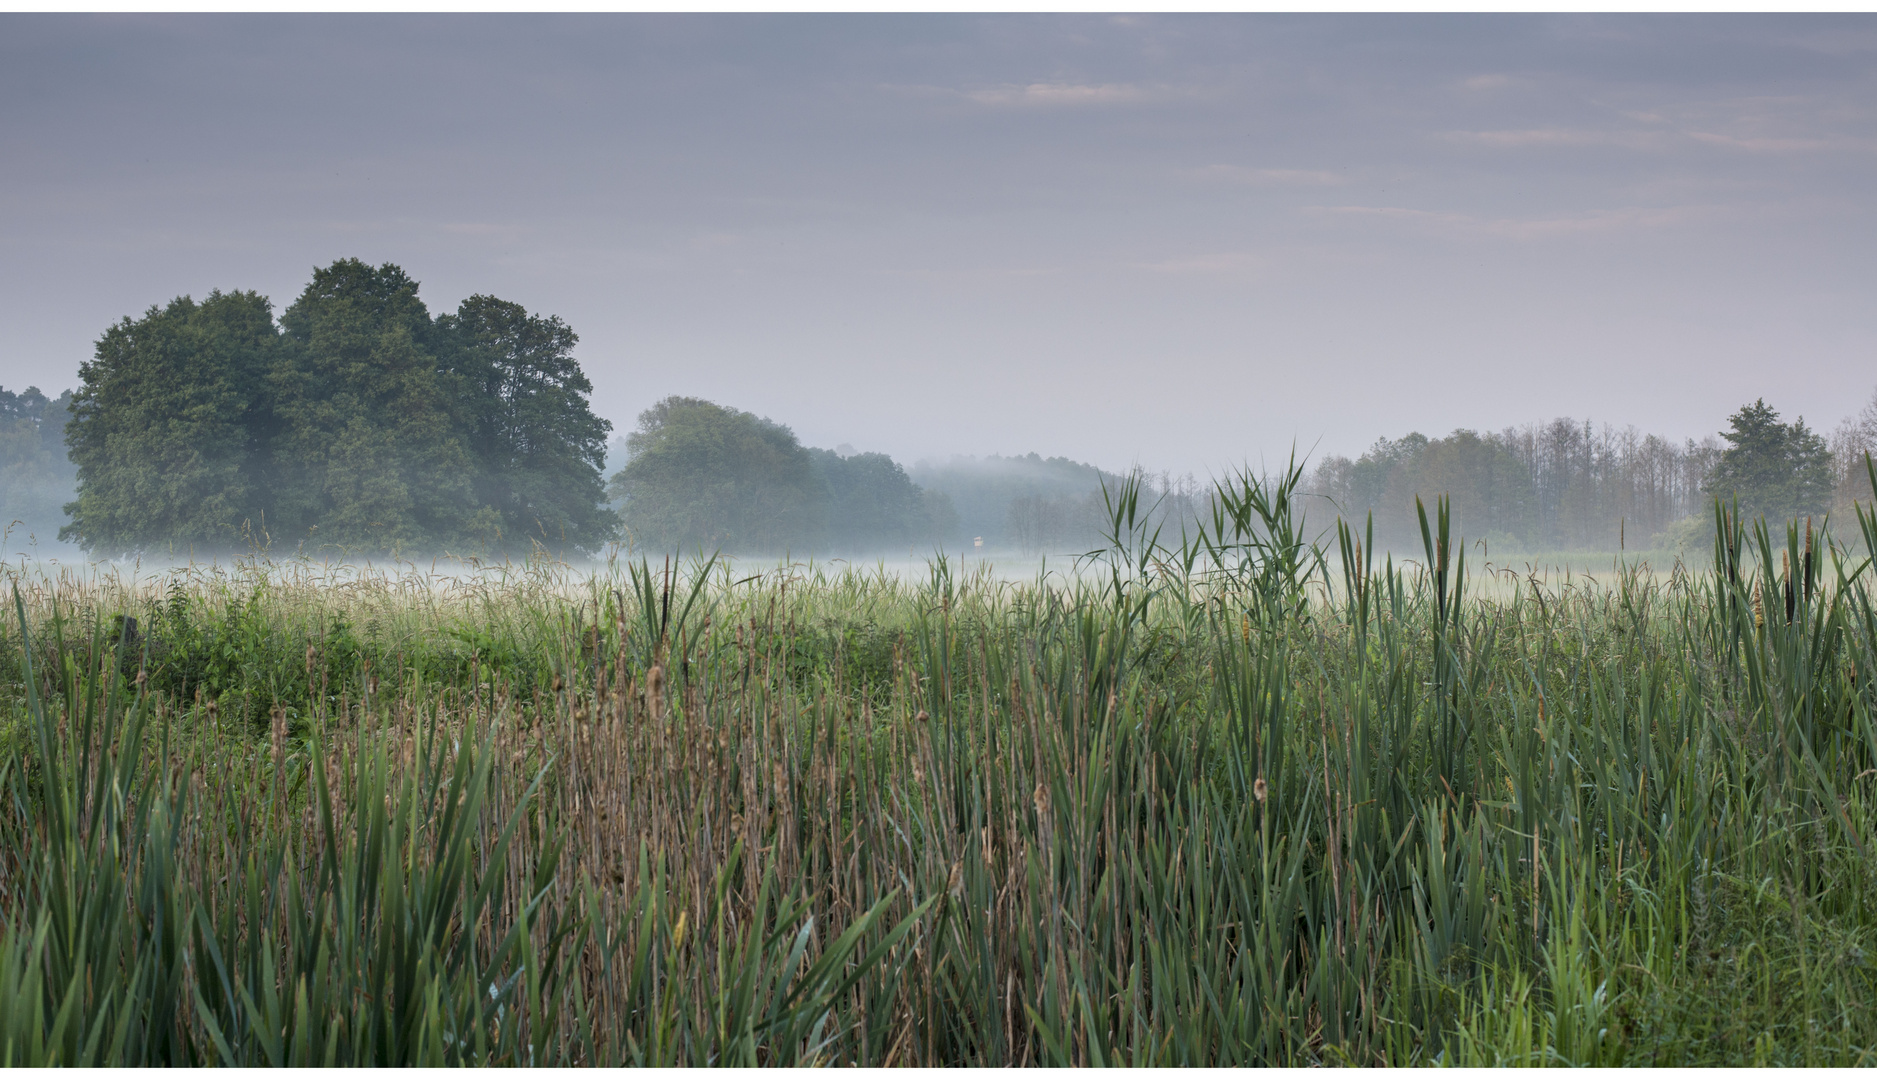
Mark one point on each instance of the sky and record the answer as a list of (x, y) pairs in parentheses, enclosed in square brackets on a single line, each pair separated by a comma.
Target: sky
[(1179, 242)]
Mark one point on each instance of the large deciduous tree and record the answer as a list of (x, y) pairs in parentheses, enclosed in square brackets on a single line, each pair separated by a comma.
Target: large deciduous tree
[(874, 506), (172, 425), (372, 453), (537, 445), (359, 425), (702, 476)]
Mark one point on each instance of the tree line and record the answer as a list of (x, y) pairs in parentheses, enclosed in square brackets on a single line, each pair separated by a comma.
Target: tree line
[(359, 423), (1570, 485)]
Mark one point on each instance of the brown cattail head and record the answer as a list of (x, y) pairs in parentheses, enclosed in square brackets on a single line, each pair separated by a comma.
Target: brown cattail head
[(955, 884), (1040, 797), (1759, 609), (654, 686)]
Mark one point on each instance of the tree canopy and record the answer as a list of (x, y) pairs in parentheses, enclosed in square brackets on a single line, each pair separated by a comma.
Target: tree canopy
[(702, 476), (874, 506), (36, 476), (357, 424), (1774, 469), (539, 447), (171, 426)]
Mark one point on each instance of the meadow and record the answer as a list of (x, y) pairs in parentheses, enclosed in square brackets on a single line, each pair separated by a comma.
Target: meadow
[(1251, 796)]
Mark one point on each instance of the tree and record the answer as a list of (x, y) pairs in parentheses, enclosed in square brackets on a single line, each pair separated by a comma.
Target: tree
[(358, 423), (37, 478), (702, 476), (981, 497), (170, 427), (539, 449), (1490, 492), (1773, 469), (873, 505), (1855, 439), (372, 453)]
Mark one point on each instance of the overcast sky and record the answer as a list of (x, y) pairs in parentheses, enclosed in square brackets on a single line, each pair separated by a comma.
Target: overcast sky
[(1182, 241)]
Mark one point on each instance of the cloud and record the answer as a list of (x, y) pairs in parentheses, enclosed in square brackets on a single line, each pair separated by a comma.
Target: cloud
[(1056, 94), (1624, 219), (484, 228), (1219, 262), (1777, 145), (1241, 174), (1654, 140), (1558, 137), (1487, 82)]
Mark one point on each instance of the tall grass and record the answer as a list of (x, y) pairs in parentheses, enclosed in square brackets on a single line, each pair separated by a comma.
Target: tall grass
[(1228, 798)]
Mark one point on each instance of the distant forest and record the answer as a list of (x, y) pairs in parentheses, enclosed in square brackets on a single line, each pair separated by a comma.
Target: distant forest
[(357, 423), (1568, 485)]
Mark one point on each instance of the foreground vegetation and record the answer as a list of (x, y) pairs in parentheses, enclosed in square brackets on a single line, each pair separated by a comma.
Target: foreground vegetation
[(1237, 800)]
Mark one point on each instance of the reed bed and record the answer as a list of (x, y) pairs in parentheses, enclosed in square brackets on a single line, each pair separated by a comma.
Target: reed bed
[(1239, 798)]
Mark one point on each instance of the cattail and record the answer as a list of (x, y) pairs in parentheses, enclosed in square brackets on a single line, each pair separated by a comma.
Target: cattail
[(655, 692), (1759, 609), (1258, 790), (1785, 560), (280, 733), (955, 885), (1809, 563), (1040, 797)]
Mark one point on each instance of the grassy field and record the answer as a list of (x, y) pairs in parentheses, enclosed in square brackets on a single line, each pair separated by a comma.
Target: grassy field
[(1242, 801)]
